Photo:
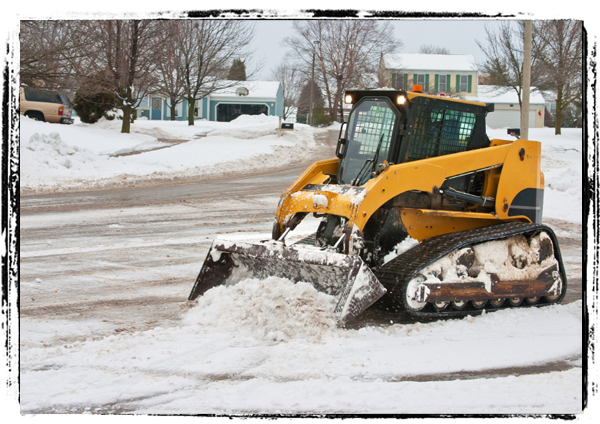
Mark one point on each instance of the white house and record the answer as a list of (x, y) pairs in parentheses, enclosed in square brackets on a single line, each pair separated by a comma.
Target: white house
[(436, 73)]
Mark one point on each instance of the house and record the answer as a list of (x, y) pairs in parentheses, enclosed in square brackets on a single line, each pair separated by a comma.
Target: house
[(245, 98), (449, 74), (507, 111), (457, 75)]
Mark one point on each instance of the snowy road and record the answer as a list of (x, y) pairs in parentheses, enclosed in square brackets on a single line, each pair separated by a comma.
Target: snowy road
[(115, 267)]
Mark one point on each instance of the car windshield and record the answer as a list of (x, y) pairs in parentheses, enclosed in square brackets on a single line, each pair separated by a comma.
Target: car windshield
[(369, 133)]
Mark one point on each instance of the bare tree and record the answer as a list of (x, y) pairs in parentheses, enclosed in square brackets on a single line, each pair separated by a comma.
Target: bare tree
[(128, 54), (47, 50), (431, 49), (169, 72), (290, 79), (346, 49), (562, 63), (504, 57), (206, 49)]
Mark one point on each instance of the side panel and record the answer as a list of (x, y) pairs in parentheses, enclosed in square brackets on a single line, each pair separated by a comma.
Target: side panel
[(422, 224), (521, 176), (529, 202)]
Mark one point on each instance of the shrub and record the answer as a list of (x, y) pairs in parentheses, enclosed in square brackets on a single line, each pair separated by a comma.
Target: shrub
[(90, 109)]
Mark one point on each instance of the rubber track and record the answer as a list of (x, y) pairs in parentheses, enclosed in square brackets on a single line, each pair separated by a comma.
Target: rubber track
[(402, 269)]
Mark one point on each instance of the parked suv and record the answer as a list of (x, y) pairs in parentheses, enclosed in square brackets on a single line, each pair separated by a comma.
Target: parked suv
[(46, 105)]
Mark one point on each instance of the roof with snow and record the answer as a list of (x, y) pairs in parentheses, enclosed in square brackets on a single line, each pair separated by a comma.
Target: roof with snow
[(261, 89), (496, 94), (431, 62)]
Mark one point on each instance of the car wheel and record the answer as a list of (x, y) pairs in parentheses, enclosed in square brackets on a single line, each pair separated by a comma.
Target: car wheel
[(36, 116)]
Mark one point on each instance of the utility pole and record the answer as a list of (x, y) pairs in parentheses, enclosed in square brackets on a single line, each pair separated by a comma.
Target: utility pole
[(312, 85), (526, 80)]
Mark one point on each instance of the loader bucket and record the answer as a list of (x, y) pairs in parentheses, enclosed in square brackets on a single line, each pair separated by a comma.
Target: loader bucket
[(346, 277)]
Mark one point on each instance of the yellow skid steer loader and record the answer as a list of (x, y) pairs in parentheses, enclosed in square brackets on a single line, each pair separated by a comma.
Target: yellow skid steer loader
[(411, 165)]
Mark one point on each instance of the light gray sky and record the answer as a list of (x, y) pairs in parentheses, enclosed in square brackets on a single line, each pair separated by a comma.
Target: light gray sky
[(456, 35)]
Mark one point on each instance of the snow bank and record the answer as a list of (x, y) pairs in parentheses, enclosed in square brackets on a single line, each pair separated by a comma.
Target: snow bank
[(87, 154), (102, 138)]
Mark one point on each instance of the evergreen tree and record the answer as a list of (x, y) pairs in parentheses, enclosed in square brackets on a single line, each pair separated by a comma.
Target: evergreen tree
[(93, 98), (321, 116), (237, 72), (304, 102)]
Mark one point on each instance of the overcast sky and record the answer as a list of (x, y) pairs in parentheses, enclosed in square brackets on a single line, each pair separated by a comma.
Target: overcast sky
[(456, 35)]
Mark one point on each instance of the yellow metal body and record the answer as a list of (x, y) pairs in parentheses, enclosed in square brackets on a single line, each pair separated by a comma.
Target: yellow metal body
[(513, 167)]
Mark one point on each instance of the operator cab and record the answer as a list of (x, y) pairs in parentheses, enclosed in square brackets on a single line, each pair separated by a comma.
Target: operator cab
[(370, 142), (393, 126)]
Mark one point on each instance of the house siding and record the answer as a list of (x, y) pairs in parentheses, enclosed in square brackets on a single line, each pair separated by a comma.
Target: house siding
[(509, 115), (401, 72), (207, 106), (431, 81)]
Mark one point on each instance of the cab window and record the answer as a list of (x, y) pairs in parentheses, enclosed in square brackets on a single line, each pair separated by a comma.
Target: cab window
[(440, 131)]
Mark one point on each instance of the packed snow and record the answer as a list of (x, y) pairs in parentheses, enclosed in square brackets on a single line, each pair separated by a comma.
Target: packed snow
[(270, 346)]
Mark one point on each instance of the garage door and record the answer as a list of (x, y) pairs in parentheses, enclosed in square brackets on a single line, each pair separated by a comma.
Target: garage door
[(508, 119), (228, 112)]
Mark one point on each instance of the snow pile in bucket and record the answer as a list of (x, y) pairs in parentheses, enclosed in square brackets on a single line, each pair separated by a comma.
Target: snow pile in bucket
[(274, 309)]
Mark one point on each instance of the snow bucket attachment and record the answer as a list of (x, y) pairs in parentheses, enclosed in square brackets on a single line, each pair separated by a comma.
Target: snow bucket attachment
[(346, 277)]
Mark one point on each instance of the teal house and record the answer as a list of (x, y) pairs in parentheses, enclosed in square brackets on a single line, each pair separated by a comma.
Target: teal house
[(245, 98)]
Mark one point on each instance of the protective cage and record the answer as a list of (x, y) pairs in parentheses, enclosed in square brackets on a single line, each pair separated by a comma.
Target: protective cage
[(438, 128)]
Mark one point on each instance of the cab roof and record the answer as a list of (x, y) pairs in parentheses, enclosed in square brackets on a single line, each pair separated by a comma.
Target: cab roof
[(410, 95)]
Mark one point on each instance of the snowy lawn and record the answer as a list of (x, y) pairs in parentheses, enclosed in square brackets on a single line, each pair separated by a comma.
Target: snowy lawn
[(86, 155)]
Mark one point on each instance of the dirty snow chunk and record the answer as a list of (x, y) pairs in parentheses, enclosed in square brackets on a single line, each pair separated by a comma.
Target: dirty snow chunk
[(320, 200), (405, 245), (272, 309), (510, 259)]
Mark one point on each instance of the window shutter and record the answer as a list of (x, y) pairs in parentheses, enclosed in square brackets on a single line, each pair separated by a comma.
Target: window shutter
[(458, 83), (448, 83), (426, 88), (393, 80), (415, 80), (437, 83), (470, 81), (405, 82)]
